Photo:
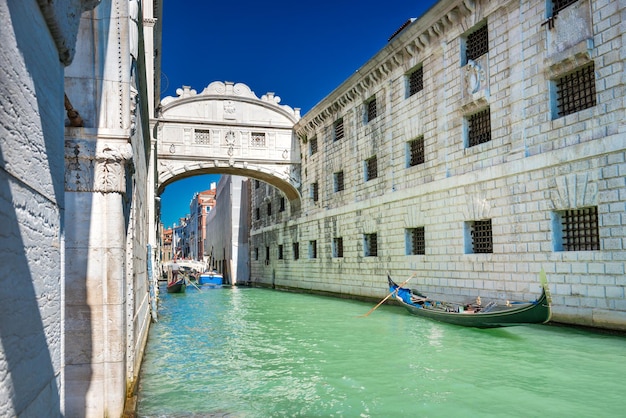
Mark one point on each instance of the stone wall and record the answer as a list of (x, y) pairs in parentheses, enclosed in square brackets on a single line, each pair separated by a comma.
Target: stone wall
[(535, 165)]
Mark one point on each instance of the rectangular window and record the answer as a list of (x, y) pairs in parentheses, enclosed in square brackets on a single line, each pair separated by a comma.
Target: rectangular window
[(415, 241), (558, 5), (280, 251), (338, 130), (338, 181), (267, 253), (315, 192), (482, 241), (257, 139), (202, 136), (477, 43), (269, 209), (576, 91), (370, 110), (370, 245), (577, 230), (416, 151), (295, 247), (256, 184), (281, 208), (415, 81), (257, 213), (256, 253), (312, 249), (313, 146), (371, 168), (338, 247), (479, 128)]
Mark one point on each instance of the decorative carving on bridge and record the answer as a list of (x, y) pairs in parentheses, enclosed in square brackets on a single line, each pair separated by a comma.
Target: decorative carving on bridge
[(257, 139), (229, 109), (172, 149)]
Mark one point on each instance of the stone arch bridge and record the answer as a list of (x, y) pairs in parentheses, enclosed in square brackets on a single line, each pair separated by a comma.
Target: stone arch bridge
[(227, 129)]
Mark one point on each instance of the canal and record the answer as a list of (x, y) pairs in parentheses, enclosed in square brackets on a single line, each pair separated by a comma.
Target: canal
[(246, 352)]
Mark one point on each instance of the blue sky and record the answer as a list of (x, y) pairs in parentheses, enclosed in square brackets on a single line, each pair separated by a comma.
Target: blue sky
[(300, 51)]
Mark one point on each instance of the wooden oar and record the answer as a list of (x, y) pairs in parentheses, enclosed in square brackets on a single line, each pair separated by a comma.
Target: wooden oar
[(194, 285), (387, 297)]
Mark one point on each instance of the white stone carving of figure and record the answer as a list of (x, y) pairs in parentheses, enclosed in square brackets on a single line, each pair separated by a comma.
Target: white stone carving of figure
[(133, 27)]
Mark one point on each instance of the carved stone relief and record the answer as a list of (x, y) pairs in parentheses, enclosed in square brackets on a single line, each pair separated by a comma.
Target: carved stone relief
[(97, 168)]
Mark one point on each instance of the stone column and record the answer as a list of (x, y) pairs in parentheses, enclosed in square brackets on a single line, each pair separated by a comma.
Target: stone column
[(96, 174)]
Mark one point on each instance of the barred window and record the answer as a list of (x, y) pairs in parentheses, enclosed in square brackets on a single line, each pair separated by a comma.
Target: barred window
[(280, 251), (202, 136), (314, 191), (338, 247), (281, 208), (558, 5), (295, 247), (371, 168), (312, 249), (416, 151), (257, 139), (370, 107), (479, 128), (338, 129), (370, 245), (313, 146), (579, 229), (576, 91), (415, 81), (415, 241), (338, 180), (482, 240), (477, 43)]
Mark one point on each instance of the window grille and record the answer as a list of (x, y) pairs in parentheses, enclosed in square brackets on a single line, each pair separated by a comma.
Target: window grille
[(482, 241), (580, 229), (312, 249), (416, 81), (371, 167), (202, 136), (281, 208), (338, 247), (479, 127), (416, 151), (313, 145), (371, 245), (417, 242), (257, 213), (371, 110), (477, 43), (257, 139), (558, 5), (296, 250), (339, 186), (280, 251), (314, 191), (338, 127), (269, 209), (576, 91)]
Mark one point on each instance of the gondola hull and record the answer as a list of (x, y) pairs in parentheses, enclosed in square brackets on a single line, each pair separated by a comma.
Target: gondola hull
[(177, 286), (518, 313)]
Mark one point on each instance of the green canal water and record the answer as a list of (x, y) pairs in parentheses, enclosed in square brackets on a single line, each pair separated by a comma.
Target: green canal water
[(245, 352)]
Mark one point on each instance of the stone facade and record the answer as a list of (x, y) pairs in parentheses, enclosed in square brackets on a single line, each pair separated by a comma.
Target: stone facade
[(76, 206), (456, 135)]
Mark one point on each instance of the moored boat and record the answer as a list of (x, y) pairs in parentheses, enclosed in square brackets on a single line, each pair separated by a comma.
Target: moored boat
[(490, 315), (211, 279), (177, 286)]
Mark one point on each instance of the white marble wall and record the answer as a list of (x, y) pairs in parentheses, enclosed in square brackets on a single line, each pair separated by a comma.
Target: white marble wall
[(534, 164)]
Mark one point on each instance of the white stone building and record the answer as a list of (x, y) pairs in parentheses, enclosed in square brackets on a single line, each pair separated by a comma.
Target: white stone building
[(78, 217), (484, 142)]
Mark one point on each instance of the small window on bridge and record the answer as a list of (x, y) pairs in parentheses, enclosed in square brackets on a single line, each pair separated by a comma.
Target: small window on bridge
[(258, 139)]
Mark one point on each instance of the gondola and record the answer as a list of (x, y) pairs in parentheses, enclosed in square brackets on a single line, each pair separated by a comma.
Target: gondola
[(490, 315), (177, 287)]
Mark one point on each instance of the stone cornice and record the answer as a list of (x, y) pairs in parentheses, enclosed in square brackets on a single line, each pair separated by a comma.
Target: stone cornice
[(409, 44)]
